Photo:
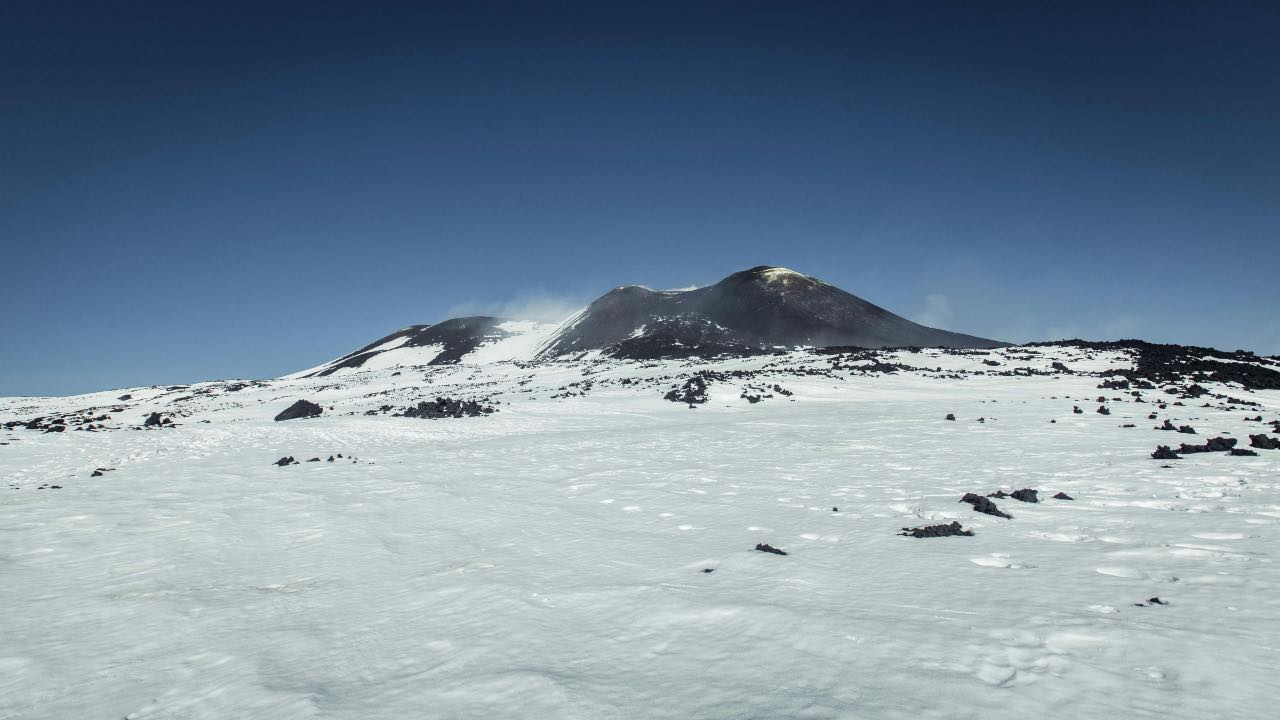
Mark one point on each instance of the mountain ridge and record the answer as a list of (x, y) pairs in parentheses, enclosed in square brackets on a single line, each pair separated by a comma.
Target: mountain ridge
[(761, 309)]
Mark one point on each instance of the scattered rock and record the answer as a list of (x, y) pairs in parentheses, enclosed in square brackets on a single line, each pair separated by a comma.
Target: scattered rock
[(447, 408), (693, 391), (1062, 496), (950, 416), (1241, 452), (300, 409), (1102, 410), (286, 460), (762, 547), (1164, 453), (708, 570)]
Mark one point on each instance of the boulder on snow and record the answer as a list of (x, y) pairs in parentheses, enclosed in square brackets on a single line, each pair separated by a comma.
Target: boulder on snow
[(286, 460), (766, 548), (300, 409), (1026, 495), (1164, 453), (983, 505), (931, 531), (1062, 496), (1264, 442)]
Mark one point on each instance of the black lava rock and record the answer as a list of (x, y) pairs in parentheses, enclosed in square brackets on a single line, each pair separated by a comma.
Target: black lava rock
[(983, 505), (1241, 452), (950, 416), (447, 408), (1026, 495), (300, 409), (762, 547), (932, 531), (286, 460), (1063, 496), (1264, 442), (153, 420), (693, 391), (1164, 453)]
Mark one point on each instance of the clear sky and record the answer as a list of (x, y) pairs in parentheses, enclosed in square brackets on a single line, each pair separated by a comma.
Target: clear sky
[(244, 190)]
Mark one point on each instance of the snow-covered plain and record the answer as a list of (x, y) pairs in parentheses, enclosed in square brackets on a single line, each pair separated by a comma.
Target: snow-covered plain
[(547, 561)]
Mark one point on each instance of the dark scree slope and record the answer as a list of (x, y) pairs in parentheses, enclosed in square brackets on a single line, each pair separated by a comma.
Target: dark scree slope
[(758, 309)]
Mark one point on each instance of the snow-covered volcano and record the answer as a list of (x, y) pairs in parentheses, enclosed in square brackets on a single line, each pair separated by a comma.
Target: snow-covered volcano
[(764, 308), (758, 310)]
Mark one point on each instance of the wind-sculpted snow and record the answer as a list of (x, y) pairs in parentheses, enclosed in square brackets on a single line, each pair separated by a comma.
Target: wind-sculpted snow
[(589, 549)]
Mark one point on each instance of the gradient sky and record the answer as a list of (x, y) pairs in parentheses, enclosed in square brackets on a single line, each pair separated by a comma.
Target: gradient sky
[(244, 191)]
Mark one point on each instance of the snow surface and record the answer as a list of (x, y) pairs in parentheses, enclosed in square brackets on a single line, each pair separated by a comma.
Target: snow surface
[(547, 561)]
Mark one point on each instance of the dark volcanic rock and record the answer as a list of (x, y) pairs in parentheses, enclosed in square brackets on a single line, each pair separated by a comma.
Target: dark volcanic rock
[(950, 416), (1063, 496), (1243, 452), (1264, 442), (286, 460), (1165, 364), (1213, 444), (1102, 410), (1164, 453), (932, 531), (763, 308), (762, 547), (300, 409), (983, 505), (693, 391), (153, 420), (447, 408), (457, 336), (1026, 495)]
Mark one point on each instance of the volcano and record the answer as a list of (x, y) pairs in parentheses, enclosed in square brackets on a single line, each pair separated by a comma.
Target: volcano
[(764, 308)]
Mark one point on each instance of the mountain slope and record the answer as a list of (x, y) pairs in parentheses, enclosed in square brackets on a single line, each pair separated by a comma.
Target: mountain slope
[(466, 340), (761, 308)]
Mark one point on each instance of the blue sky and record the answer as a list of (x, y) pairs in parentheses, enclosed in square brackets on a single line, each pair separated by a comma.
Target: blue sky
[(193, 193)]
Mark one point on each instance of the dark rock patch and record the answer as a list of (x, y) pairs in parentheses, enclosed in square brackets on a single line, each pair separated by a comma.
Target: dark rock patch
[(932, 531), (1264, 442), (1026, 495), (1164, 453), (300, 409), (1062, 496), (447, 408), (984, 505), (286, 460), (765, 548)]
